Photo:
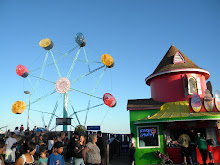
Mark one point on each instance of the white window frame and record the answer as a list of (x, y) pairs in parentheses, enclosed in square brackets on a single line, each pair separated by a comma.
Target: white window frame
[(157, 135), (189, 92)]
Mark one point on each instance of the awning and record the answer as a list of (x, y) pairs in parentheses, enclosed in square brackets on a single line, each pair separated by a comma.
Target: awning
[(178, 111)]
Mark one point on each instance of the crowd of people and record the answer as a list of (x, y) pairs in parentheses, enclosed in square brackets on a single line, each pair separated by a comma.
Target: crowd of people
[(189, 142), (23, 147)]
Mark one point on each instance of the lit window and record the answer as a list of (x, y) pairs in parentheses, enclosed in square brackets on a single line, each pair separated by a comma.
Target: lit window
[(178, 58), (148, 137), (192, 87)]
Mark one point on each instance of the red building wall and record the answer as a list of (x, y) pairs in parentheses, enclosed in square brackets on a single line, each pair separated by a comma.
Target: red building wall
[(169, 87)]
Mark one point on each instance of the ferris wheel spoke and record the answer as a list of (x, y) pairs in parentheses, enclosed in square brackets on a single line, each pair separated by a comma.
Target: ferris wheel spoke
[(54, 127), (65, 54), (97, 82), (58, 71), (43, 112), (87, 74), (43, 97), (42, 117), (30, 118), (86, 58), (33, 87), (105, 116), (71, 89), (87, 113), (87, 109), (73, 64), (42, 70), (40, 100), (90, 71), (74, 110), (71, 50), (91, 95), (58, 60), (74, 122), (42, 78), (54, 111)]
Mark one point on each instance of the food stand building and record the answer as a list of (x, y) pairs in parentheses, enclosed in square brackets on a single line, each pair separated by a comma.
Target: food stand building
[(180, 102)]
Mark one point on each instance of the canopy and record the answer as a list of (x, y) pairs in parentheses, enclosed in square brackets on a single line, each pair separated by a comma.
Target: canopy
[(178, 111)]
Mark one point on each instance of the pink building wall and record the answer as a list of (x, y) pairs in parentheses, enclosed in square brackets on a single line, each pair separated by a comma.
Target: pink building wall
[(169, 87)]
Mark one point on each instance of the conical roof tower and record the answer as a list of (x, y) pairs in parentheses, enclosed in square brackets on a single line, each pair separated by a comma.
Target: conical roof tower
[(166, 81)]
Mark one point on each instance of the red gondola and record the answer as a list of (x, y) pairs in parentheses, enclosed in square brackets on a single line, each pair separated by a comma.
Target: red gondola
[(109, 100), (22, 71)]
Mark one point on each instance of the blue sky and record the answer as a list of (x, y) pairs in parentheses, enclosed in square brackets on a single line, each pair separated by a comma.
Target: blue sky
[(137, 34)]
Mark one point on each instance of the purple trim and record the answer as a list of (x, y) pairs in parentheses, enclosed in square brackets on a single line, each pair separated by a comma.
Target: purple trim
[(178, 70), (183, 60), (143, 108), (165, 121)]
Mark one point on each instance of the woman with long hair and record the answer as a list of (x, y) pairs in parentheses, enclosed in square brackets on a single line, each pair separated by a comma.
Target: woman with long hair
[(91, 154), (27, 158), (79, 147)]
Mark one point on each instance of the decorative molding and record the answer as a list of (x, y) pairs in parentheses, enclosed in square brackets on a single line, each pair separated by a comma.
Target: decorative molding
[(178, 70), (129, 109)]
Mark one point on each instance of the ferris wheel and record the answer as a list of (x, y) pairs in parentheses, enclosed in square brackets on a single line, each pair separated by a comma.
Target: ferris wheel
[(67, 76)]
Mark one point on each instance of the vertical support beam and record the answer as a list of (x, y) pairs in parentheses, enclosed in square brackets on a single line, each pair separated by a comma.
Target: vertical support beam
[(29, 111), (65, 105), (107, 156)]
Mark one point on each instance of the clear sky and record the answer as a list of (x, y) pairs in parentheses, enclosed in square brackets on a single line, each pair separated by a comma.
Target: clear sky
[(137, 34)]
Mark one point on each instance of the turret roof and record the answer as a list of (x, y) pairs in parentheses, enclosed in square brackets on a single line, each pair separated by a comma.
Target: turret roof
[(167, 65), (167, 62)]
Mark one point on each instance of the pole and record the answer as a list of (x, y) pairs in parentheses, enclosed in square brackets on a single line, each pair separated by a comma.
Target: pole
[(29, 110), (65, 110)]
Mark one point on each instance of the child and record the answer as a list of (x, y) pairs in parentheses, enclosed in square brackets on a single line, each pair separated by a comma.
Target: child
[(56, 157), (43, 158)]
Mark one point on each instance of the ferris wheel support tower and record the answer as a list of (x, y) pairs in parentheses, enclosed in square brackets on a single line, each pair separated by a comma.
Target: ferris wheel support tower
[(65, 113)]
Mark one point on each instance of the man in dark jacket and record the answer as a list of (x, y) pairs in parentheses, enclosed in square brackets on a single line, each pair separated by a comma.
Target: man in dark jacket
[(101, 143), (71, 146)]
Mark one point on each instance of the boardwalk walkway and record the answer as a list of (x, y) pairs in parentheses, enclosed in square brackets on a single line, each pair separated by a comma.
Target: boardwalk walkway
[(120, 160), (123, 161)]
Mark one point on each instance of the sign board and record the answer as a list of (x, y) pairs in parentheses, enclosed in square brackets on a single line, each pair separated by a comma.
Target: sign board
[(96, 128), (148, 137), (63, 121)]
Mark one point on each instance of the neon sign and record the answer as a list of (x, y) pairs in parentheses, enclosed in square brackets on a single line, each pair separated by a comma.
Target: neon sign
[(147, 132)]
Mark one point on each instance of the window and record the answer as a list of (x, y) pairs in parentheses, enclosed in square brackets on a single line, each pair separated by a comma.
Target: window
[(192, 87), (199, 86), (148, 137), (178, 58), (185, 85)]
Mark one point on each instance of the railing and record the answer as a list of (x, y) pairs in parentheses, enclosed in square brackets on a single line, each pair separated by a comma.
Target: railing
[(118, 146)]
